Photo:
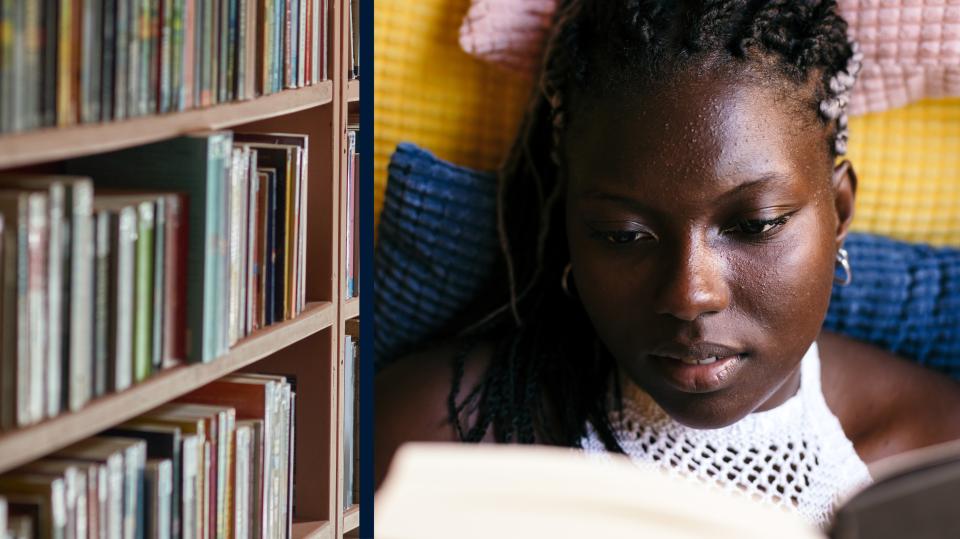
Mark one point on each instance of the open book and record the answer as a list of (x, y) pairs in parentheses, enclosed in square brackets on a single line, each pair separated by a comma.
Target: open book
[(461, 490)]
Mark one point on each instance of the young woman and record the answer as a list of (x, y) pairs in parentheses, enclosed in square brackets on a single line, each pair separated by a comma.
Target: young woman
[(672, 217)]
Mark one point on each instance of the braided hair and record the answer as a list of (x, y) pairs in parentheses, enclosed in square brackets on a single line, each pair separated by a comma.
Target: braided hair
[(549, 373)]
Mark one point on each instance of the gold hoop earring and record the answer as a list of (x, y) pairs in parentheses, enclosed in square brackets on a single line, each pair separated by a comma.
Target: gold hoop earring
[(566, 277), (843, 259)]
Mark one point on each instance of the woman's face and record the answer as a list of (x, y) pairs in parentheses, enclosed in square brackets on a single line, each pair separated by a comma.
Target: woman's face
[(703, 224)]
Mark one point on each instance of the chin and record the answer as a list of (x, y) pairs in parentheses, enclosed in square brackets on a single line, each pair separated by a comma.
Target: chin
[(704, 410)]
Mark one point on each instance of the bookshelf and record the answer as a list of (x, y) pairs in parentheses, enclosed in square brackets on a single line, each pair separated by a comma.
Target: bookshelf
[(309, 346)]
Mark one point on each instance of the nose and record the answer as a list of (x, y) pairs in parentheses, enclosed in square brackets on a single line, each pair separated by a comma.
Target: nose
[(694, 284)]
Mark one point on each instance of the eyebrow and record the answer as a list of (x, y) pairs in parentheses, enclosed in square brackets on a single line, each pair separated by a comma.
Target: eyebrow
[(747, 186)]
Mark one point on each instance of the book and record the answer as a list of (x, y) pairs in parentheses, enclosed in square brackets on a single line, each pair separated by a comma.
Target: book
[(71, 262), (24, 310), (158, 497), (197, 166), (264, 398), (47, 495), (163, 442), (513, 491), (126, 461), (432, 490), (348, 420)]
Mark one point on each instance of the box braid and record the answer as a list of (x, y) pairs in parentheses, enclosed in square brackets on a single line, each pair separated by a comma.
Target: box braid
[(549, 374)]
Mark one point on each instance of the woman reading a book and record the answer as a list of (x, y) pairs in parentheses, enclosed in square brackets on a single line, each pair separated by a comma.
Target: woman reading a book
[(672, 218)]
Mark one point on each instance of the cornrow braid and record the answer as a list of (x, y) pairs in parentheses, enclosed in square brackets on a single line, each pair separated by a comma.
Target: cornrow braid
[(549, 374)]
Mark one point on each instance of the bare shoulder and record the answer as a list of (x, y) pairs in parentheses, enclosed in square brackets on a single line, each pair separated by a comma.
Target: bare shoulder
[(886, 404), (410, 397)]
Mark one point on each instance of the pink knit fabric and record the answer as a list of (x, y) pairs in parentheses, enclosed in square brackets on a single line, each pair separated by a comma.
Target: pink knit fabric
[(911, 47)]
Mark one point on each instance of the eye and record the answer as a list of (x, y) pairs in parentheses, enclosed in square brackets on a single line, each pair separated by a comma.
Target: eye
[(757, 227), (624, 236)]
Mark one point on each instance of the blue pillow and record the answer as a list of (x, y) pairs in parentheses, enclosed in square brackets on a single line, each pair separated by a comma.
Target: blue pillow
[(437, 242)]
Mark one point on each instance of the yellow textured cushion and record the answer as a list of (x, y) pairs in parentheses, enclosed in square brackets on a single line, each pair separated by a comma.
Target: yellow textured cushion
[(429, 92), (908, 164)]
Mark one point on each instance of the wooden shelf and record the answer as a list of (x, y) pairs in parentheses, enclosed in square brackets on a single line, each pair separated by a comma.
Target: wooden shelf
[(312, 530), (55, 143), (23, 445), (353, 91), (351, 308), (351, 518)]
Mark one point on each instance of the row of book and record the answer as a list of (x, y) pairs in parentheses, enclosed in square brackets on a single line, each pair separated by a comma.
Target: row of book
[(353, 207), (351, 414), (142, 259), (68, 61), (217, 462)]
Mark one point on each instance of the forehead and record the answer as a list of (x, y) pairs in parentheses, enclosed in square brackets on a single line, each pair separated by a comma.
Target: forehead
[(710, 131)]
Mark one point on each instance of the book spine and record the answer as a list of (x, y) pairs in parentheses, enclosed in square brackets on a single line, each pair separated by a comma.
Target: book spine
[(175, 85), (108, 82), (12, 346), (316, 44), (159, 281), (270, 252), (279, 37), (188, 96), (302, 50), (251, 240), (133, 58), (175, 272), (15, 13), (143, 307), (121, 55), (264, 45), (287, 45), (125, 231), (6, 66), (92, 55), (48, 50), (149, 68), (206, 36), (33, 376), (309, 36), (55, 304), (324, 54), (81, 302), (240, 59), (233, 245), (166, 36), (32, 65), (293, 233), (229, 60), (263, 205), (101, 317)]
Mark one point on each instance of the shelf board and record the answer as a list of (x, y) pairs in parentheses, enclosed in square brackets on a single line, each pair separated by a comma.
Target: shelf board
[(351, 308), (312, 530), (351, 518), (353, 91), (24, 445), (55, 143)]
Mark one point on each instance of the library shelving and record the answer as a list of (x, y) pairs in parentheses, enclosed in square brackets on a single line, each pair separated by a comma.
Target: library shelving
[(309, 346)]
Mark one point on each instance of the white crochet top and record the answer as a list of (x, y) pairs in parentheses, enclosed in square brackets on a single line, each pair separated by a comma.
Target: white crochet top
[(794, 456)]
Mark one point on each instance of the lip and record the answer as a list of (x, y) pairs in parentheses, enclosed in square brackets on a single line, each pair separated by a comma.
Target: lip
[(669, 359)]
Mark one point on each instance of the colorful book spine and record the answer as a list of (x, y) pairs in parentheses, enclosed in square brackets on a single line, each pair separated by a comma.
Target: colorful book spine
[(143, 292)]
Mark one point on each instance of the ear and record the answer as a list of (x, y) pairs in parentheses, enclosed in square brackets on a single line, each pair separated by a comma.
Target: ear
[(844, 183)]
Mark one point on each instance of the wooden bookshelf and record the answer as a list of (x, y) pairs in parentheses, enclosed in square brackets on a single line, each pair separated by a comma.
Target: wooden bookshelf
[(353, 91), (351, 308), (22, 446), (312, 530), (44, 145), (309, 346), (351, 518)]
